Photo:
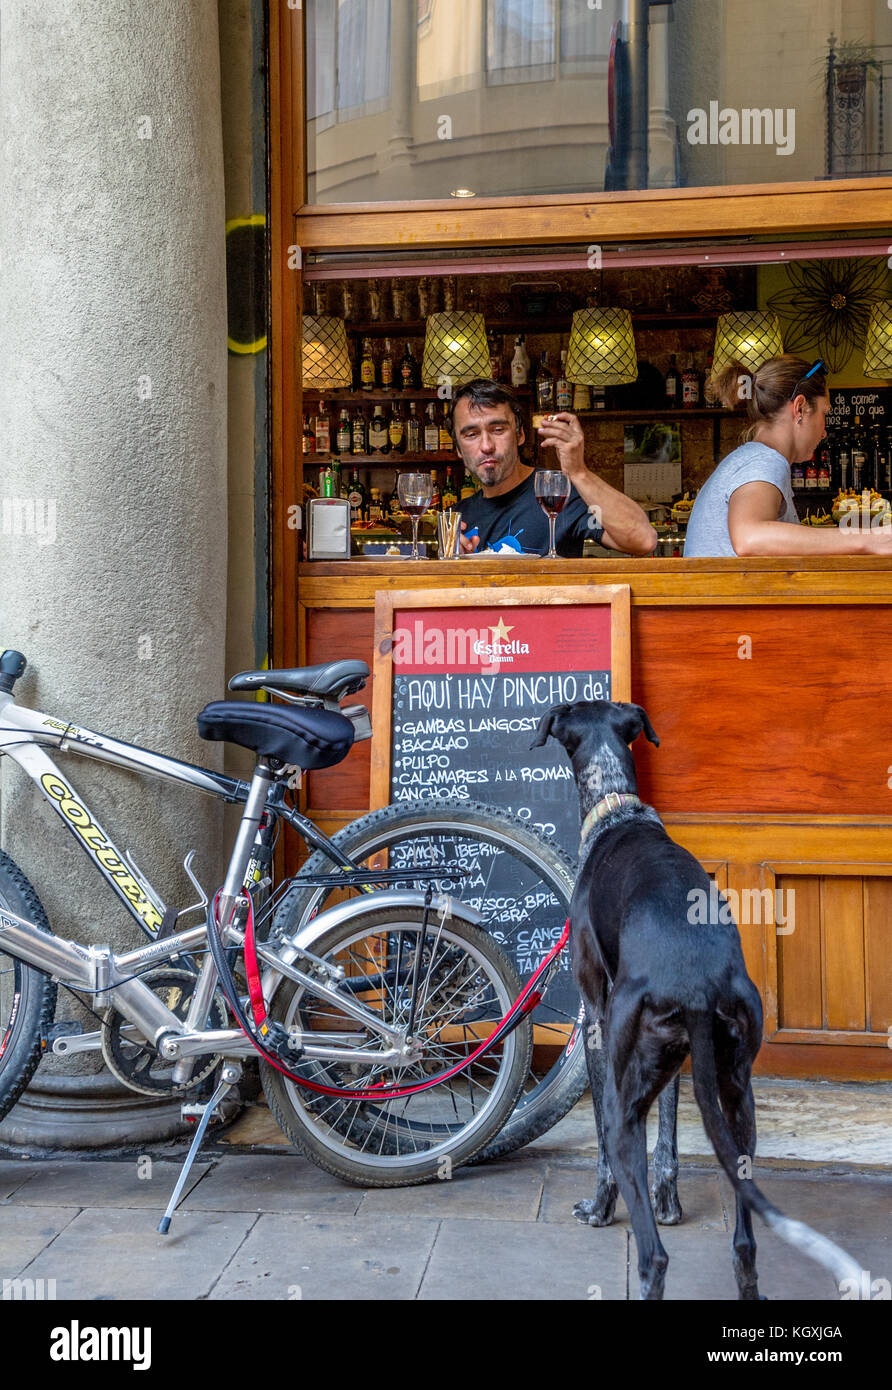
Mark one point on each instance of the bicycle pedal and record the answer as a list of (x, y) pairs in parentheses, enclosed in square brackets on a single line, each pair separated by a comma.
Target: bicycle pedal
[(192, 1111)]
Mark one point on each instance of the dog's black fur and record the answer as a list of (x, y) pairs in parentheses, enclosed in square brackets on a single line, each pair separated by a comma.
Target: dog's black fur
[(677, 987)]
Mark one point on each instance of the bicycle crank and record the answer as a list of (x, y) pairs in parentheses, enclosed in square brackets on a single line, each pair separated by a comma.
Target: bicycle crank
[(135, 1062)]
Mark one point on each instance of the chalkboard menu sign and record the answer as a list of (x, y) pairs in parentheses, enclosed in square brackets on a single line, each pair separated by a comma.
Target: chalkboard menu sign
[(462, 678), (872, 403)]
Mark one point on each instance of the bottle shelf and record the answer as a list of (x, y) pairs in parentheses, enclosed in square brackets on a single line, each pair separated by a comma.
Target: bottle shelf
[(659, 413), (383, 395), (441, 456), (531, 324)]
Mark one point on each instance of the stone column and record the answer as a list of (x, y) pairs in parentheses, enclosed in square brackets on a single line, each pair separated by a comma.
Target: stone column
[(113, 425), (662, 134)]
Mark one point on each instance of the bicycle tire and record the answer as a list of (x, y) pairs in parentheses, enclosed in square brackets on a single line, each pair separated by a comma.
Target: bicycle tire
[(27, 995), (548, 1098), (360, 1142)]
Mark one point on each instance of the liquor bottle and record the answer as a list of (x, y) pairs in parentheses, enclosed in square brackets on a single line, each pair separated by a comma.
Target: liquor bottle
[(797, 475), (599, 398), (878, 453), (431, 430), (544, 385), (367, 366), (444, 429), (690, 384), (860, 477), (822, 459), (357, 498), (323, 430), (436, 501), (309, 437), (844, 459), (495, 358), (409, 377), (396, 430), (413, 430), (520, 363), (563, 391), (710, 398), (326, 483), (450, 497), (811, 474), (360, 433), (379, 442), (672, 384), (344, 437), (582, 397), (468, 487), (376, 511), (394, 505), (338, 488), (387, 367), (884, 459)]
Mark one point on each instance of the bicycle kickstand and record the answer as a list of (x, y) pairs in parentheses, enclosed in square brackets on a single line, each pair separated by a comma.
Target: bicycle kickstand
[(228, 1077)]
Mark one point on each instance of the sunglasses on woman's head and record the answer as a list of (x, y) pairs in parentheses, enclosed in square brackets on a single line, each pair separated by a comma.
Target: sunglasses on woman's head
[(819, 366)]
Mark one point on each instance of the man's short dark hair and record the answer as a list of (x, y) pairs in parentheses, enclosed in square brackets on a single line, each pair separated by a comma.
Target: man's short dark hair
[(482, 393)]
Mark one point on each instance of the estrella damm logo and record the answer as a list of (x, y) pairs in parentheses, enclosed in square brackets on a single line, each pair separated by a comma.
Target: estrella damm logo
[(100, 847)]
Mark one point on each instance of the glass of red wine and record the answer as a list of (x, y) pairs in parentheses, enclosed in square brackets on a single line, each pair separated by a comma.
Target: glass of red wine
[(415, 491), (552, 489)]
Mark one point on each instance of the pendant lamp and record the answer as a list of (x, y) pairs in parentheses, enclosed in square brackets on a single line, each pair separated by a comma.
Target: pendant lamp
[(602, 348), (455, 349)]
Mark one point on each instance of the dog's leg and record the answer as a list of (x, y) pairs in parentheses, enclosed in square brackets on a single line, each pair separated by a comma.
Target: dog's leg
[(598, 1210), (664, 1194), (738, 1104)]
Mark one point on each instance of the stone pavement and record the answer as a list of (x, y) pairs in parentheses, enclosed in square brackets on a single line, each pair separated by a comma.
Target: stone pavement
[(269, 1225)]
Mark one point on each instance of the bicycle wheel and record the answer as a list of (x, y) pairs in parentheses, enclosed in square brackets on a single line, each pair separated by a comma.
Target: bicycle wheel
[(27, 996), (522, 883), (466, 985)]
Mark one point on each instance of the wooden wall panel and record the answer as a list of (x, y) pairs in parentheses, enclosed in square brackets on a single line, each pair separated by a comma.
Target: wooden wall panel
[(791, 730), (878, 946), (843, 953), (799, 957), (335, 634)]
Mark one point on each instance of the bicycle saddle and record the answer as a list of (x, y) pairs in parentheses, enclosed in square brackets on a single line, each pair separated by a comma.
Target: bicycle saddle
[(306, 738), (333, 679)]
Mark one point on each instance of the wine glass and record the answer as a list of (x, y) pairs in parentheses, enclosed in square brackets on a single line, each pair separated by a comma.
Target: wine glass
[(552, 488), (415, 491)]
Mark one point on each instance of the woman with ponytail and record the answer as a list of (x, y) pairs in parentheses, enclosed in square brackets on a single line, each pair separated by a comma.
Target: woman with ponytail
[(746, 506)]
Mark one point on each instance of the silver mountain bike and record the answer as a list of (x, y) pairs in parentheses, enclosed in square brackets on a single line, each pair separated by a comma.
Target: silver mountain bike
[(380, 984)]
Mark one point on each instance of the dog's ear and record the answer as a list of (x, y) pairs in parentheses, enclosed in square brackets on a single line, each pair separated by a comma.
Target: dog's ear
[(543, 732), (631, 720)]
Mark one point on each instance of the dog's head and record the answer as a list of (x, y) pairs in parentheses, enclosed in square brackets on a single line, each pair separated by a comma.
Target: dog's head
[(596, 735)]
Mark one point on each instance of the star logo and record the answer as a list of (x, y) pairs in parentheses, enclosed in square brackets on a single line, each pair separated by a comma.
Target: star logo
[(500, 631)]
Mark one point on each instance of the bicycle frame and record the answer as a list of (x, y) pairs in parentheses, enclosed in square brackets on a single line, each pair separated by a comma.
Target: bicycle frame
[(24, 736)]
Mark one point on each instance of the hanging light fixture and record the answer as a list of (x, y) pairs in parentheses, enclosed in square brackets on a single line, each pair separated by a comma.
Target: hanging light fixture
[(751, 338), (878, 347), (325, 359), (602, 348), (455, 349)]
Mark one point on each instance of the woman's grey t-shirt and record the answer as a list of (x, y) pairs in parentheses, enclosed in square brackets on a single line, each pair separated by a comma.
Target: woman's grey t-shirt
[(707, 532)]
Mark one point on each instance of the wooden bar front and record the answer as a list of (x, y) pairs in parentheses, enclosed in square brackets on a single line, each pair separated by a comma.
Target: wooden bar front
[(769, 683)]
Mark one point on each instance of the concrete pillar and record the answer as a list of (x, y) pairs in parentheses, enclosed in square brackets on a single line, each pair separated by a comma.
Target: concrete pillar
[(113, 412), (662, 134)]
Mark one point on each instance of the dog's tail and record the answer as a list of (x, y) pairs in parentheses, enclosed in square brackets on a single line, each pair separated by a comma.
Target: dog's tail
[(795, 1233)]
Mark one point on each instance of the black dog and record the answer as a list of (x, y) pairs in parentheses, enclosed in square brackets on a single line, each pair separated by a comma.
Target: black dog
[(678, 986)]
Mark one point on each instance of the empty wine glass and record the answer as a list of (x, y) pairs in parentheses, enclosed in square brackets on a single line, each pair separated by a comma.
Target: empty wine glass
[(415, 491), (552, 488)]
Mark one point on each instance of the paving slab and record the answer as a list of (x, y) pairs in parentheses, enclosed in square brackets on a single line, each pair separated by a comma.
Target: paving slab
[(115, 1253), (489, 1261), (700, 1268), (106, 1183), (377, 1258), (272, 1182), (24, 1233), (500, 1191), (14, 1172), (699, 1193), (840, 1206)]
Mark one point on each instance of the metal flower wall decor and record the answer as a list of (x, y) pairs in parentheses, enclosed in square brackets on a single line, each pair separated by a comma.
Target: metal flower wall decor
[(828, 305)]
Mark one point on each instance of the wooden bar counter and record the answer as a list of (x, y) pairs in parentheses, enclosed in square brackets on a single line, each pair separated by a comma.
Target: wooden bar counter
[(769, 683)]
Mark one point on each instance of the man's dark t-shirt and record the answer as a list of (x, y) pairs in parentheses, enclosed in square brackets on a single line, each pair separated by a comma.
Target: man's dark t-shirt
[(517, 514)]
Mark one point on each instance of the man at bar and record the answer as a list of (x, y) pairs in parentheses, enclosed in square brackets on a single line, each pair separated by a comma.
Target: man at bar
[(487, 426)]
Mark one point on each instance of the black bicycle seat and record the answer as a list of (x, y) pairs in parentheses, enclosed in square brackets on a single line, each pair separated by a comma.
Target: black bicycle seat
[(331, 680), (306, 738)]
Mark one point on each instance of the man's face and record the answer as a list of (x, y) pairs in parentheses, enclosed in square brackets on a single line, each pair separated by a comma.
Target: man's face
[(487, 439)]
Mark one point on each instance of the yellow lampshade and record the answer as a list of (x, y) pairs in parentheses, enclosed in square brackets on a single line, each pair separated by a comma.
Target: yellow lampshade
[(325, 359), (878, 348), (750, 338), (602, 348), (455, 349)]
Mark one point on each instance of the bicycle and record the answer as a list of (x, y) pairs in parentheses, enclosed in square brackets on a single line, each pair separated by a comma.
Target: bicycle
[(362, 978)]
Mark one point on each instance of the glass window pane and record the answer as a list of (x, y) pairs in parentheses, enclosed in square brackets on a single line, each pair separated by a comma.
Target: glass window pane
[(363, 52), (519, 40)]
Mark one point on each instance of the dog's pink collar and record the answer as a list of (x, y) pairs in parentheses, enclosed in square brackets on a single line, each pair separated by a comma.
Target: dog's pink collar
[(613, 801)]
